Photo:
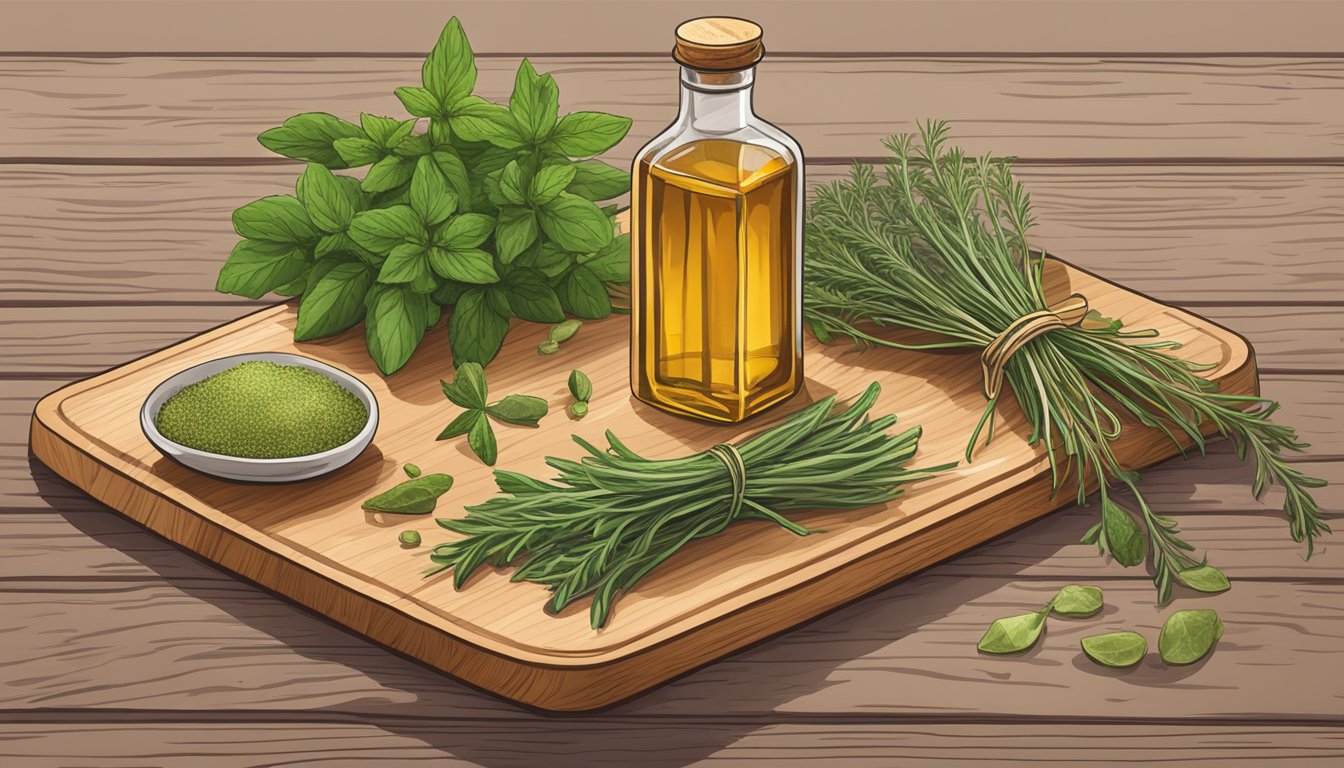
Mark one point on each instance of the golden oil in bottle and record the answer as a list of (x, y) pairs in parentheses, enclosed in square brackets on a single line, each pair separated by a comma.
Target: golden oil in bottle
[(716, 272)]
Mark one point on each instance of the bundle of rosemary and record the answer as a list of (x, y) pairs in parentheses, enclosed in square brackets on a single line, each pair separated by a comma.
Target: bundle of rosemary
[(614, 516), (940, 245)]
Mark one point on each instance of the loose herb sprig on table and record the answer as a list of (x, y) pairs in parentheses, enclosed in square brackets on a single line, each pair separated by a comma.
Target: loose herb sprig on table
[(490, 211), (614, 516), (940, 245), (470, 390)]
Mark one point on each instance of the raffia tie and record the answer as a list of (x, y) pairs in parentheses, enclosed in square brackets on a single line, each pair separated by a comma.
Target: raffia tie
[(737, 473), (1068, 312)]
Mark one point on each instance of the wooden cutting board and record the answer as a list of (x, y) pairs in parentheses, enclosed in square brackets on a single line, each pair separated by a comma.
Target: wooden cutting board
[(311, 542)]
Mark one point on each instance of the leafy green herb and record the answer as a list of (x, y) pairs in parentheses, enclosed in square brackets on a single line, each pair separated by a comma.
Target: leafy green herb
[(1015, 633), (409, 538), (940, 245), (614, 516), (580, 386), (1115, 649), (490, 209), (1077, 600), (411, 470), (1187, 636), (469, 390), (559, 333), (1204, 578), (417, 496)]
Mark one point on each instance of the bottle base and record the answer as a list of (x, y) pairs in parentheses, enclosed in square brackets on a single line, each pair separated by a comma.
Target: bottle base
[(696, 405)]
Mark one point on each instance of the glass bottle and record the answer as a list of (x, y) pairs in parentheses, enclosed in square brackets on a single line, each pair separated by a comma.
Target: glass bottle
[(716, 278)]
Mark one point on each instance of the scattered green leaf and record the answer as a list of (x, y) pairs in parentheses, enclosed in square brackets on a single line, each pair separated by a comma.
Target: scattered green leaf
[(1115, 649), (417, 496), (1187, 636)]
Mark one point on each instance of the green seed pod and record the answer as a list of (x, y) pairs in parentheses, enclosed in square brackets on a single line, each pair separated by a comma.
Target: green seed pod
[(578, 410), (580, 386), (409, 538), (547, 348)]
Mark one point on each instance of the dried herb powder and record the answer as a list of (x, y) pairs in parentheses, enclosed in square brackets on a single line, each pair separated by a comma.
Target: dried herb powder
[(262, 410)]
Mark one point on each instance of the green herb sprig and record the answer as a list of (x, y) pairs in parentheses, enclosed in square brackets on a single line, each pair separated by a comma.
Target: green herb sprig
[(490, 210), (470, 390), (614, 516), (940, 245)]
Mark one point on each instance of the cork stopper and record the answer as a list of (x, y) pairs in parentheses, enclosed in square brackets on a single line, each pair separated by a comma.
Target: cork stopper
[(718, 44)]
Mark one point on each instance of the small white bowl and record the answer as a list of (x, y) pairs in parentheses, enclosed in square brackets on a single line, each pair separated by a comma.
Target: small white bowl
[(258, 470)]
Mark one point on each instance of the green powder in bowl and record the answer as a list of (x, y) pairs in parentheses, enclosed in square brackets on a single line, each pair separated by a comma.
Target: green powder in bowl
[(262, 410)]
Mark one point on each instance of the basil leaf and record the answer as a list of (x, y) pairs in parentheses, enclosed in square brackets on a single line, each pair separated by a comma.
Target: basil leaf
[(466, 231), (414, 147), (475, 119), (1204, 578), (549, 182), (417, 496), (612, 263), (462, 424), (465, 265), (394, 325), (595, 180), (1013, 634), (449, 72), (475, 330), (471, 382), (405, 264), (481, 440), (325, 199), (535, 101), (584, 134), (419, 101), (335, 303), (582, 294), (575, 224), (580, 386), (256, 267), (512, 184), (388, 174), (1187, 636), (311, 137), (545, 258), (524, 410), (430, 197), (358, 151), (531, 298), (1123, 537), (448, 293), (387, 132), (278, 218), (515, 230), (382, 229), (1115, 649), (450, 165), (1077, 600)]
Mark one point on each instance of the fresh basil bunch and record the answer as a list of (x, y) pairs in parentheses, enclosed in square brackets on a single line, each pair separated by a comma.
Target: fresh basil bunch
[(490, 211)]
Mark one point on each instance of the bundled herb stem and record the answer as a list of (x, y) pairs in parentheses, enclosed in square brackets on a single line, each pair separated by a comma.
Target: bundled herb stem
[(614, 516), (940, 245)]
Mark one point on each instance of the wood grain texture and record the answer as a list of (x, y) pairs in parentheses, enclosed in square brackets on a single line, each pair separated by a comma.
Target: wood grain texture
[(664, 744), (600, 25), (210, 110), (158, 235), (310, 542)]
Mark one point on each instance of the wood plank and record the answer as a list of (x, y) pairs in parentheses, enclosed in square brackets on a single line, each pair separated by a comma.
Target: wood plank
[(661, 744), (311, 542), (192, 110), (593, 25), (907, 651), (118, 235), (71, 343)]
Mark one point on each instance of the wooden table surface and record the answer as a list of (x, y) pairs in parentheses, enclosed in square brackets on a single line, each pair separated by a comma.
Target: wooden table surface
[(1212, 180)]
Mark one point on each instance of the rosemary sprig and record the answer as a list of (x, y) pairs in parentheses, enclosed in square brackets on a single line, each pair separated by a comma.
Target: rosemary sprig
[(614, 516), (940, 245)]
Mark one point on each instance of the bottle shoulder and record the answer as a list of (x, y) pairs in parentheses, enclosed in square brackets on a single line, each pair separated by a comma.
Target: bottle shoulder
[(755, 131)]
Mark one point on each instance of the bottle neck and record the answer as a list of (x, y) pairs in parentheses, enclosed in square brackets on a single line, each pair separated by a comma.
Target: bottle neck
[(716, 102)]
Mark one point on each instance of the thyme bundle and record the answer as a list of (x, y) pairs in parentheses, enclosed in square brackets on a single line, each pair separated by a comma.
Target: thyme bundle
[(614, 516), (940, 245)]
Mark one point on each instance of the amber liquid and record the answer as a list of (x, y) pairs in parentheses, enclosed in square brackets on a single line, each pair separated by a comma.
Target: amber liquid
[(715, 309)]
